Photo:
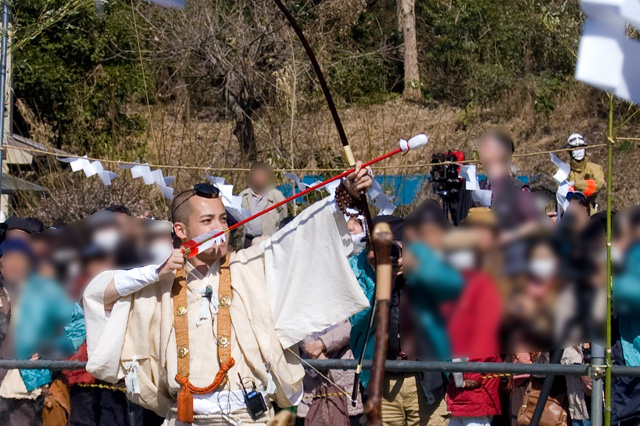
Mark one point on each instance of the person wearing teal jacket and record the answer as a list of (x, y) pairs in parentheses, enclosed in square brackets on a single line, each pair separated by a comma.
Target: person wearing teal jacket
[(365, 275), (44, 310), (430, 282)]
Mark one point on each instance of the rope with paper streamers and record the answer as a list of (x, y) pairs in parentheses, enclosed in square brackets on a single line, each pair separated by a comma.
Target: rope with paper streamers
[(207, 240), (283, 170)]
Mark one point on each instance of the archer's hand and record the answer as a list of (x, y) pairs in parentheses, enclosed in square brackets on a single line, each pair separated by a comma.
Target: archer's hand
[(173, 263), (360, 180)]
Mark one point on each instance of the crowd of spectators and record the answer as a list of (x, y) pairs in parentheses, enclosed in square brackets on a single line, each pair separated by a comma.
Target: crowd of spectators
[(513, 282)]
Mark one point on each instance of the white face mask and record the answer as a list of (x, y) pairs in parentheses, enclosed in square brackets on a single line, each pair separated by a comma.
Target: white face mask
[(107, 239), (462, 260), (542, 269), (160, 252), (617, 256), (73, 271), (578, 154)]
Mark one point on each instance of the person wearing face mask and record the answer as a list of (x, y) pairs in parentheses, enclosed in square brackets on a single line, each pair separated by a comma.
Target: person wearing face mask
[(534, 306), (37, 330), (159, 240), (586, 176), (166, 323), (105, 230), (473, 324)]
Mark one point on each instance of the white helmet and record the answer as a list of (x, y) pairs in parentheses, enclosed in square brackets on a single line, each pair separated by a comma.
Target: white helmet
[(576, 140)]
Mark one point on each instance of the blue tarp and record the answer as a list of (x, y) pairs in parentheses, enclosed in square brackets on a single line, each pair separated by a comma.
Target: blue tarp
[(404, 188)]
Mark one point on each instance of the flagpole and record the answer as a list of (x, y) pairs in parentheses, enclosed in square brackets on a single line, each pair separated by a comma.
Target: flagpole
[(607, 383)]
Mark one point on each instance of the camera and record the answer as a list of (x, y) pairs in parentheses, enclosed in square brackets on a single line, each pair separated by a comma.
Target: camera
[(444, 177), (450, 188)]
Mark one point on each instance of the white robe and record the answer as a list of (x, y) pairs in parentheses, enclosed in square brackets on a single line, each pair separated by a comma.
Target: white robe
[(296, 283)]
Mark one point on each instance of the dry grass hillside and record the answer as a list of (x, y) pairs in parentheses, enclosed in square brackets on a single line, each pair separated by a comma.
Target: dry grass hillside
[(374, 130), (309, 141)]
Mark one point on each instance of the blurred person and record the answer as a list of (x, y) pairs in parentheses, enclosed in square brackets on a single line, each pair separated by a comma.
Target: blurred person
[(119, 234), (42, 246), (142, 309), (625, 331), (578, 210), (428, 224), (158, 240), (578, 387), (531, 310), (118, 208), (495, 150), (105, 230), (585, 176), (261, 194), (482, 222), (332, 343), (36, 225), (473, 326), (545, 200), (512, 201), (18, 228), (622, 236), (632, 226), (408, 398), (39, 331)]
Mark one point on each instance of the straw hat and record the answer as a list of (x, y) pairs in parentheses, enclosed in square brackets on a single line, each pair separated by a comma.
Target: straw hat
[(458, 239), (480, 216)]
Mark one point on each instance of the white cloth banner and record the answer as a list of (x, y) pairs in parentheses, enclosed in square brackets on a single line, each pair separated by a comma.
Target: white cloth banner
[(607, 59)]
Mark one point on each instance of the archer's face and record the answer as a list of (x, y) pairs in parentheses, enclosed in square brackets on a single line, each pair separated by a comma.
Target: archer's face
[(206, 215)]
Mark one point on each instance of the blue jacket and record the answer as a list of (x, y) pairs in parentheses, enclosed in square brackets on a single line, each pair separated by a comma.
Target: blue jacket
[(430, 284), (44, 310), (365, 276)]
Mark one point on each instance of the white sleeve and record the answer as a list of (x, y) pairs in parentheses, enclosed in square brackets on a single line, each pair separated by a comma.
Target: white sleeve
[(132, 280)]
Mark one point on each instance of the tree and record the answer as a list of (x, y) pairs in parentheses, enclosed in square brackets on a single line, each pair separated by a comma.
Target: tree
[(407, 25), (220, 56), (67, 72)]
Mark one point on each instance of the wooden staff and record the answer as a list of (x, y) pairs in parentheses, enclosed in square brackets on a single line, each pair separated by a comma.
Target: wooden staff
[(382, 240)]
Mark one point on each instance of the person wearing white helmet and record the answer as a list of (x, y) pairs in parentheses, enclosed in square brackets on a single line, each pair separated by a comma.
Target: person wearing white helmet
[(587, 177)]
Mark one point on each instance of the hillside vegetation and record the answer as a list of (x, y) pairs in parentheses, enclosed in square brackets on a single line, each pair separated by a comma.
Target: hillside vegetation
[(226, 82)]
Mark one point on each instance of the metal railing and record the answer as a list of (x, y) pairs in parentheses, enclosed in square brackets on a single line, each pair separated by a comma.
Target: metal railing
[(395, 367), (597, 371)]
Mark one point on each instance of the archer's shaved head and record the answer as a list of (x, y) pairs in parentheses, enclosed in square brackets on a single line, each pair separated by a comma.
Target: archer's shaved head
[(181, 208)]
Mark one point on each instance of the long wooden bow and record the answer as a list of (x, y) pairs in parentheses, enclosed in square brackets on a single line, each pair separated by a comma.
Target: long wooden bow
[(364, 205)]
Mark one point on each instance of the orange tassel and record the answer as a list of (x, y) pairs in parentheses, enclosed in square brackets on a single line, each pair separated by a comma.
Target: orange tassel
[(185, 401), (185, 397)]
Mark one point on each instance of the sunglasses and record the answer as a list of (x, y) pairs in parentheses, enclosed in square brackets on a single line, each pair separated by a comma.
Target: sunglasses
[(204, 190)]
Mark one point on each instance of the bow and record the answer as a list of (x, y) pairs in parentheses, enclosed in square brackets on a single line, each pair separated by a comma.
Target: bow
[(364, 205)]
